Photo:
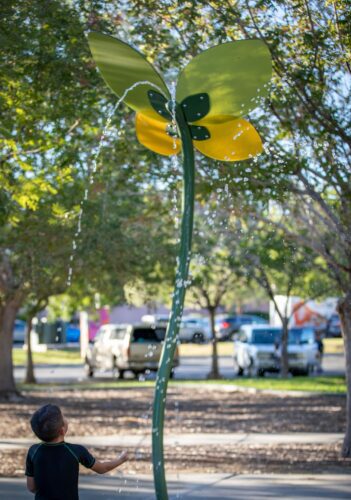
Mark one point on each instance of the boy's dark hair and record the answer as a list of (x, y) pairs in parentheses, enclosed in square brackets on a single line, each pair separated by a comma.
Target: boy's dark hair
[(47, 422)]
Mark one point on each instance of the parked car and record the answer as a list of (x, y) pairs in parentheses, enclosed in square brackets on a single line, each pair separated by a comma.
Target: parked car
[(333, 328), (194, 329), (19, 331), (126, 347), (257, 350), (227, 326), (155, 319)]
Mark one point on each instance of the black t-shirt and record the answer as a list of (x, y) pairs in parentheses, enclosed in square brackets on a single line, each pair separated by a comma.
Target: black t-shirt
[(55, 468)]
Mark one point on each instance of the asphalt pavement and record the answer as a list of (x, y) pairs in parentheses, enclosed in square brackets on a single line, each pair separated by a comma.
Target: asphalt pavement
[(193, 368), (205, 486)]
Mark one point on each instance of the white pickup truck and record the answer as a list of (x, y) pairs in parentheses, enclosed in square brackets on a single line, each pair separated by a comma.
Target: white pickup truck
[(136, 348), (257, 350)]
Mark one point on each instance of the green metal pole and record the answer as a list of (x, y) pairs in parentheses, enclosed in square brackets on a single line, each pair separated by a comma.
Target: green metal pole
[(170, 343)]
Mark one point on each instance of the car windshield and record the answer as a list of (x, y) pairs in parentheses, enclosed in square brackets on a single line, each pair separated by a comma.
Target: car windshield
[(301, 336), (272, 336), (266, 336), (118, 333), (143, 335)]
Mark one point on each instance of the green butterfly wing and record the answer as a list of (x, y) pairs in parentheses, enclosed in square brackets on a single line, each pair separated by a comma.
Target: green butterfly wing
[(121, 67), (234, 75)]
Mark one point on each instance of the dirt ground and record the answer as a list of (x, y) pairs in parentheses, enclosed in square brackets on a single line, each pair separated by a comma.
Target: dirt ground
[(104, 412)]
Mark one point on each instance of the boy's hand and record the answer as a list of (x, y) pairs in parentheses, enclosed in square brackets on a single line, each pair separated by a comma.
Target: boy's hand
[(123, 457), (102, 467)]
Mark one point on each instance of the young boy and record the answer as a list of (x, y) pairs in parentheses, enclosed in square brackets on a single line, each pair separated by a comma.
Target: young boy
[(52, 466)]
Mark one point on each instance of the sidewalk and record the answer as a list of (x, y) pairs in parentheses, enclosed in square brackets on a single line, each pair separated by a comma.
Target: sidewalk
[(130, 440), (202, 486)]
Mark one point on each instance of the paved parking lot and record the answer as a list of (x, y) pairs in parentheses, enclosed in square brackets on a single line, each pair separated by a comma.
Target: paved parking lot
[(196, 367)]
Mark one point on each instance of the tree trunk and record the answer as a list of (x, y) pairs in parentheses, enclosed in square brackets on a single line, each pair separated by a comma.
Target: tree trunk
[(284, 359), (30, 377), (8, 313), (214, 373), (344, 310)]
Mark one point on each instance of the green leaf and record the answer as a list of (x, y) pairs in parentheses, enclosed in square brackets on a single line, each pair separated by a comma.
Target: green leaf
[(121, 67), (234, 75)]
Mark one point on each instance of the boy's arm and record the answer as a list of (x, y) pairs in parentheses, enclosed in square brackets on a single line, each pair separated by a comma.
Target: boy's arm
[(29, 472), (31, 484), (102, 467)]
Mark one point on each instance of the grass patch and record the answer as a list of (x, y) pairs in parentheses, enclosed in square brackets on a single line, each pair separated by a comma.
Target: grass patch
[(51, 357), (334, 346), (309, 384)]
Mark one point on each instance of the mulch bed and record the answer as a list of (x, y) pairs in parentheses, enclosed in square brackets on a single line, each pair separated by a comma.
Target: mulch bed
[(104, 412), (188, 410)]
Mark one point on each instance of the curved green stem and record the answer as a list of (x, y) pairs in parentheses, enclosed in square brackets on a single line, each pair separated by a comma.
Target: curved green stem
[(170, 343)]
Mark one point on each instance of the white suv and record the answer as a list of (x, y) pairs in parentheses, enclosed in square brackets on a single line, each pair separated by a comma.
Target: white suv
[(257, 350)]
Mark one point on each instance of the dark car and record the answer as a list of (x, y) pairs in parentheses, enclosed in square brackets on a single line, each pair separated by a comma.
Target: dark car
[(227, 326)]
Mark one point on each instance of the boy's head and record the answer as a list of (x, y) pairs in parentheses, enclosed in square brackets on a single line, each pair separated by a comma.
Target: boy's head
[(48, 423)]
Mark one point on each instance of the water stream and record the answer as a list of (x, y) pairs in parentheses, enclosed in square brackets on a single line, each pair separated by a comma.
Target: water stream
[(94, 168)]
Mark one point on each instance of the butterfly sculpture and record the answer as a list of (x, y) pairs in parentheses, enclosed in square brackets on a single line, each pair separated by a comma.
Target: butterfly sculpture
[(214, 91)]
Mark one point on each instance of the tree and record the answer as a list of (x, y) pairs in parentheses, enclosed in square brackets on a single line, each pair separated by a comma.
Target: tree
[(214, 280), (53, 109), (280, 267), (211, 280), (307, 122), (32, 308), (44, 103)]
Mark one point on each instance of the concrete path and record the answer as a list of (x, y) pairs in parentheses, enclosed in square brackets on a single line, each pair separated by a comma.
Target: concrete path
[(202, 486), (132, 440)]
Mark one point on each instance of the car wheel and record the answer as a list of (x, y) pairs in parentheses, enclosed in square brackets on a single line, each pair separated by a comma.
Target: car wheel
[(116, 372), (309, 370), (232, 335), (198, 338), (305, 372), (89, 371), (240, 371), (253, 371)]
